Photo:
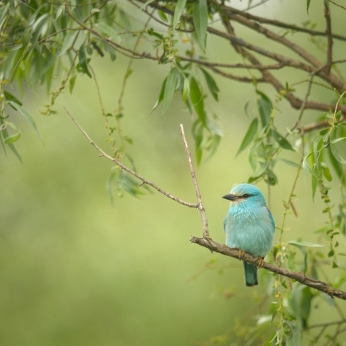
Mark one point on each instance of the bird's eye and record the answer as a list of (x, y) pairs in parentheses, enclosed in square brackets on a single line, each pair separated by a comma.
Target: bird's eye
[(246, 195)]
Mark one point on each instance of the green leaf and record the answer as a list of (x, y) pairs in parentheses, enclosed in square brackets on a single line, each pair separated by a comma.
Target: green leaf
[(186, 89), (197, 101), (304, 243), (249, 136), (129, 184), (109, 186), (83, 62), (314, 184), (336, 155), (337, 140), (28, 117), (179, 8), (317, 149), (282, 141), (110, 50), (294, 337), (197, 133), (11, 62), (253, 158), (307, 167), (307, 5), (211, 84), (11, 146), (68, 40), (215, 141), (300, 302), (259, 173), (326, 173), (10, 97), (289, 162), (200, 19), (108, 30), (161, 96), (324, 132), (72, 83), (336, 164), (265, 107), (163, 16), (170, 85), (12, 138)]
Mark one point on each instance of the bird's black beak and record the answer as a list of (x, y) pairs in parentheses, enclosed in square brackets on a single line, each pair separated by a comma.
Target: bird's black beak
[(230, 197)]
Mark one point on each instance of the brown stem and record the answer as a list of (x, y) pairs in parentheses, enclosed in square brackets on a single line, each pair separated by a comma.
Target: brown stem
[(124, 168), (283, 25), (329, 38), (194, 179), (300, 277)]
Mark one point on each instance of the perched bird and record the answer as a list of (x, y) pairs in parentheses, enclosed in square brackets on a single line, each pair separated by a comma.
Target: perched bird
[(249, 226)]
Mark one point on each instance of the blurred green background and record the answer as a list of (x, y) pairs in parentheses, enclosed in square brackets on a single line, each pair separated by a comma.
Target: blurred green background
[(75, 270)]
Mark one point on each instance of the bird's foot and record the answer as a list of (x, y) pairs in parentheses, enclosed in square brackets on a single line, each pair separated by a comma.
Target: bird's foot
[(241, 253), (260, 262)]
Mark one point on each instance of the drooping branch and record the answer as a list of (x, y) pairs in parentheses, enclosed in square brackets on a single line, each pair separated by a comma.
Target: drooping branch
[(334, 3), (331, 78), (206, 241), (243, 48), (130, 171), (277, 23), (300, 277)]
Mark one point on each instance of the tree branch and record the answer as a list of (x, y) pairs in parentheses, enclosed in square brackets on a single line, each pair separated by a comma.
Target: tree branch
[(334, 3), (329, 37), (300, 277), (283, 25), (321, 124), (194, 179), (128, 170), (330, 78)]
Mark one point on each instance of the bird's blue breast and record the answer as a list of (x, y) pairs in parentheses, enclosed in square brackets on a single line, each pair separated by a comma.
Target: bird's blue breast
[(249, 228)]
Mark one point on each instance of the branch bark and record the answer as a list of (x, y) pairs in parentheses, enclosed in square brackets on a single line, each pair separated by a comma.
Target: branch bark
[(194, 179), (300, 277), (128, 170), (329, 38), (283, 25)]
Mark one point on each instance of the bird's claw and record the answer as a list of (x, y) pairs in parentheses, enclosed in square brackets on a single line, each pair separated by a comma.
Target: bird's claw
[(260, 262), (241, 253)]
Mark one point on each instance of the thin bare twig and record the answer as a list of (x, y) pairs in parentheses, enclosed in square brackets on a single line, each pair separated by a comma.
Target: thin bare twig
[(329, 37), (308, 91), (334, 3), (124, 168), (194, 179), (326, 324), (300, 277), (283, 25), (321, 124), (256, 5)]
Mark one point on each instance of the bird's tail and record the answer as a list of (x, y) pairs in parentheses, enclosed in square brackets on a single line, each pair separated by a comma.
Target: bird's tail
[(250, 272)]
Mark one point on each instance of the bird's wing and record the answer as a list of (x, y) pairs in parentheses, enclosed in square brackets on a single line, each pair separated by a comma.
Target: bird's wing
[(271, 219)]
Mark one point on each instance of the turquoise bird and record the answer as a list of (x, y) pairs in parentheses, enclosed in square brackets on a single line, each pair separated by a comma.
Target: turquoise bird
[(249, 226)]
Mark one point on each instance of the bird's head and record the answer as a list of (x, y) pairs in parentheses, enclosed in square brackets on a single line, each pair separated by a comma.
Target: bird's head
[(246, 193)]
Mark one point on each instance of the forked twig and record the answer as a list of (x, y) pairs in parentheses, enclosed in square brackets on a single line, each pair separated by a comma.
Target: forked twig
[(126, 169), (194, 179)]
